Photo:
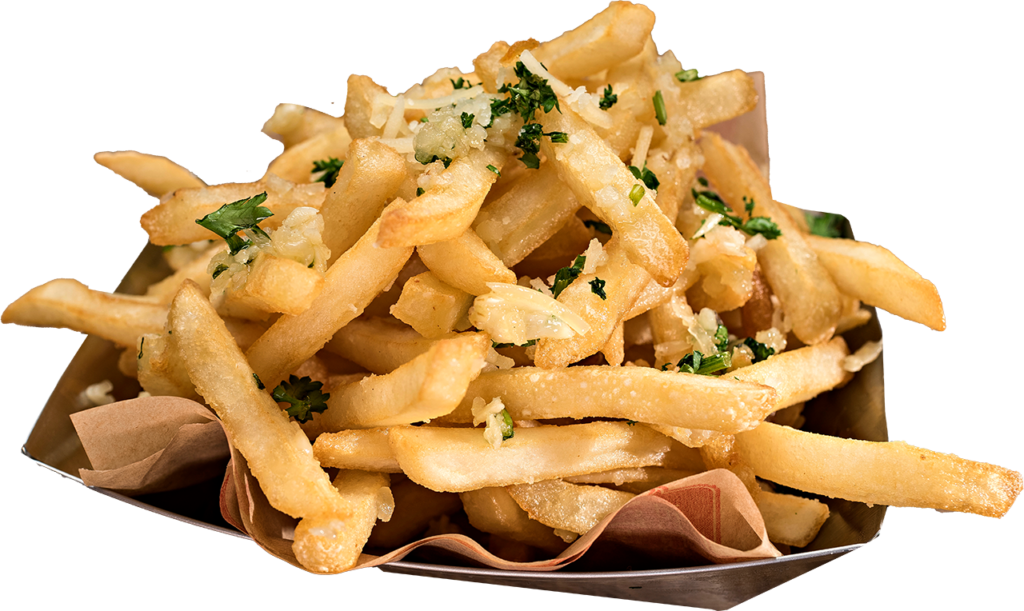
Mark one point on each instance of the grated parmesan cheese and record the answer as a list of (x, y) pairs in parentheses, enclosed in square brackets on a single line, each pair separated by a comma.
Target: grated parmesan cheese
[(96, 394), (866, 354), (596, 256), (513, 314)]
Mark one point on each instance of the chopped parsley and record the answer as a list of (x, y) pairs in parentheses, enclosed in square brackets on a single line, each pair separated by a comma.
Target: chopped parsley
[(710, 201), (597, 288), (219, 270), (141, 344), (494, 169), (825, 224), (445, 160), (565, 276), (659, 108), (721, 338), (703, 181), (259, 382), (645, 176), (598, 226), (636, 194), (461, 83), (231, 218), (761, 351), (608, 99), (419, 191), (424, 120), (304, 396), (697, 363), (526, 97), (494, 344), (330, 168), (631, 422), (467, 120), (507, 430), (687, 76), (748, 205)]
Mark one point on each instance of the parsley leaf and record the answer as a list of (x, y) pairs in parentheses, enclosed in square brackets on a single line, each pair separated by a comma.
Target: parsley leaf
[(419, 191), (507, 430), (645, 176), (461, 83), (141, 344), (721, 338), (710, 201), (494, 344), (330, 168), (259, 382), (748, 204), (597, 288), (697, 363), (231, 218), (703, 181), (219, 270), (558, 137), (467, 120), (565, 276), (530, 94), (636, 194), (304, 395), (424, 120), (761, 351), (631, 422), (423, 159), (825, 224), (494, 169), (608, 99)]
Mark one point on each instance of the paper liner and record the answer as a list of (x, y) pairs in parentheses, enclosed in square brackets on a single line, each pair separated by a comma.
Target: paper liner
[(162, 443), (151, 444)]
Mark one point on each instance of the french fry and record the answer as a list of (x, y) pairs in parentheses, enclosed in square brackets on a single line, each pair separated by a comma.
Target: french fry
[(791, 520), (883, 473), (561, 248), (608, 38), (808, 295), (615, 476), (797, 215), (436, 457), (691, 438), (432, 307), (758, 311), (614, 350), (161, 369), (429, 386), (720, 453), (415, 507), (273, 284), (868, 273), (295, 164), (365, 450), (69, 304), (726, 270), (153, 174), (677, 176), (359, 102), (654, 477), (672, 339), (569, 507), (802, 374), (465, 262), (195, 270), (602, 183), (350, 284), (291, 124), (493, 511), (716, 98), (378, 344), (372, 174), (632, 393), (173, 220), (276, 449)]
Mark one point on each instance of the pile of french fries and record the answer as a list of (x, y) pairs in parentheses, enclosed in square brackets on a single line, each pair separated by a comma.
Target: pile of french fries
[(524, 294)]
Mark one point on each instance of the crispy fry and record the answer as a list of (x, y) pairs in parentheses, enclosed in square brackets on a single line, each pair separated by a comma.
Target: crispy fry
[(378, 344), (466, 263), (432, 307), (802, 374), (273, 284), (165, 290), (565, 506), (155, 175), (366, 450), (296, 162), (362, 92), (716, 98), (292, 124), (415, 507), (570, 240), (791, 520), (161, 368), (608, 38), (493, 510)]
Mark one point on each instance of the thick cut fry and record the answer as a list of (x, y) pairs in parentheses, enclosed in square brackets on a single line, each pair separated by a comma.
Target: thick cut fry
[(296, 162), (884, 473), (560, 249), (672, 340), (292, 124), (161, 368), (526, 215), (726, 270), (429, 386), (415, 507), (570, 507), (624, 283), (808, 295), (276, 449), (716, 98), (493, 511), (869, 273), (173, 220), (720, 453), (437, 457), (366, 450), (69, 304), (655, 476), (791, 520), (195, 270), (350, 284), (380, 345), (632, 393), (614, 350), (802, 374), (448, 208), (372, 174), (608, 38), (602, 183), (362, 92), (466, 263), (155, 175), (432, 307), (273, 284)]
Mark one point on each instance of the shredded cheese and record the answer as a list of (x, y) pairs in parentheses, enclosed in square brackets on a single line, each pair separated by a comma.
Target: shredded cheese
[(643, 144), (866, 354), (513, 314), (97, 394)]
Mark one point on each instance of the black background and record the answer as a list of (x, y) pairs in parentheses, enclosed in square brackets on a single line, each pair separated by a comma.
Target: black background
[(857, 127)]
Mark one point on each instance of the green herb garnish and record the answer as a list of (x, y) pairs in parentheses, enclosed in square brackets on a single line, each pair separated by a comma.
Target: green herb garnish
[(259, 382), (419, 191), (231, 218), (461, 83), (304, 396), (761, 351), (566, 275), (645, 176), (608, 99), (631, 422), (659, 108), (424, 120), (497, 345), (494, 169), (220, 269), (330, 168), (597, 288), (467, 120), (697, 363), (507, 430), (141, 344), (825, 224), (423, 159), (526, 97), (710, 201), (721, 338), (687, 76), (636, 194), (598, 226)]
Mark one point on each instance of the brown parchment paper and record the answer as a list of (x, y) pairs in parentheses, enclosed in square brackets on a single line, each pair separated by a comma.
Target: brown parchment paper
[(151, 444), (162, 443)]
